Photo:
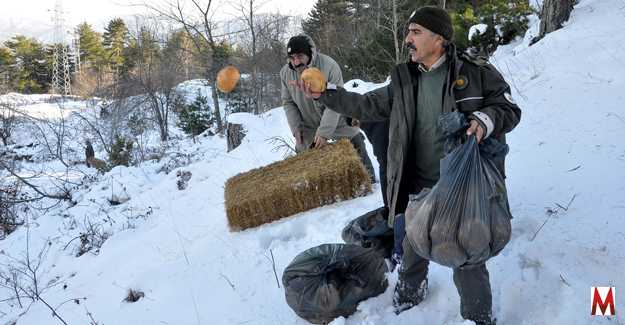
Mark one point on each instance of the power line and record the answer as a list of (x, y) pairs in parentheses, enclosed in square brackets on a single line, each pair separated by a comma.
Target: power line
[(61, 77)]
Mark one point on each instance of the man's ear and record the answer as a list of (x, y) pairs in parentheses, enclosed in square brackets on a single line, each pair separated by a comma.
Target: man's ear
[(440, 39)]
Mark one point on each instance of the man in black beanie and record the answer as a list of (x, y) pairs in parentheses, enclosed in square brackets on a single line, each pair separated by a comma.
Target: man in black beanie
[(312, 123), (437, 80)]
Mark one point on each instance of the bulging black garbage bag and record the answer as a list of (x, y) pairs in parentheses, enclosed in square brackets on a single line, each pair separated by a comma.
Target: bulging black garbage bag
[(328, 281), (371, 230), (465, 218)]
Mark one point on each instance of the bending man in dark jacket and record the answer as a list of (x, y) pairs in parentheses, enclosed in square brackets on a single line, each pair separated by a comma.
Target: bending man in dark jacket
[(436, 80)]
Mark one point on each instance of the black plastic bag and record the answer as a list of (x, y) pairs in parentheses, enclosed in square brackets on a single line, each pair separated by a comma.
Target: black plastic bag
[(465, 218), (328, 281), (371, 230)]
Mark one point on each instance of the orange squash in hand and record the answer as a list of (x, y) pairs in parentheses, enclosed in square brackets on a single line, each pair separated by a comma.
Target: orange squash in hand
[(227, 79), (315, 79)]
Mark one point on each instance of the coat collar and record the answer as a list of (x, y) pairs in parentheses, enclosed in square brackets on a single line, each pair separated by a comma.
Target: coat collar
[(435, 66)]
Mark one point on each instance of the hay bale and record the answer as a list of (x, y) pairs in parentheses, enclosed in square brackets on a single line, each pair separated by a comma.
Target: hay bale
[(309, 180)]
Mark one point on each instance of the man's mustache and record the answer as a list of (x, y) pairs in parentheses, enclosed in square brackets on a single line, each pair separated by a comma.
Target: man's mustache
[(301, 65), (411, 46)]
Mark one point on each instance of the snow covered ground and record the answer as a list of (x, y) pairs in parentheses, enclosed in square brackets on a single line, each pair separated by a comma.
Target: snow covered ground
[(566, 182)]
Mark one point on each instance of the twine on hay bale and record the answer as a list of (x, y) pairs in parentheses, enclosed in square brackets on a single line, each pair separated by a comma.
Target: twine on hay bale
[(309, 180)]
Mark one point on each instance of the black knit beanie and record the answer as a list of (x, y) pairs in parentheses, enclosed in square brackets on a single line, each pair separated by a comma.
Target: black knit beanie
[(299, 44), (435, 19)]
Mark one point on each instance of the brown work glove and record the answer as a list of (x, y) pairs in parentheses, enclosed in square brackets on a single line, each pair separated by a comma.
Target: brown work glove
[(314, 79)]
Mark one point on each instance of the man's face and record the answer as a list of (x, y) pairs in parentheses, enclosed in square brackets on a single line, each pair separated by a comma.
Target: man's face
[(299, 61), (422, 42)]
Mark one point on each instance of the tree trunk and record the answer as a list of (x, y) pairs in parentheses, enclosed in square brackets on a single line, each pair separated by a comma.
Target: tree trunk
[(235, 134), (553, 14), (396, 27), (159, 116), (217, 112), (475, 4)]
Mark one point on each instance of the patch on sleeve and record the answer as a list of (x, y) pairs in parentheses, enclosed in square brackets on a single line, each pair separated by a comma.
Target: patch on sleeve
[(509, 98), (461, 83)]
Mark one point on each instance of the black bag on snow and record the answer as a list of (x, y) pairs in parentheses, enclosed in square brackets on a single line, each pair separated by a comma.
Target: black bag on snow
[(371, 230), (465, 218), (328, 281)]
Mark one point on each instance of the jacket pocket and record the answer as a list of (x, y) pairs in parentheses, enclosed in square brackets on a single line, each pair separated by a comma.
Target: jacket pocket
[(469, 103)]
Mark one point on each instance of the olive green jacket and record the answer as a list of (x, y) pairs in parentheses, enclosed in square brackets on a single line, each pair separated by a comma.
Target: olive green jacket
[(484, 95)]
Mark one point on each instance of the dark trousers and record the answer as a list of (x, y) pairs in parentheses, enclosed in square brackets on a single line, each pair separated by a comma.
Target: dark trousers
[(377, 133), (358, 142), (472, 282)]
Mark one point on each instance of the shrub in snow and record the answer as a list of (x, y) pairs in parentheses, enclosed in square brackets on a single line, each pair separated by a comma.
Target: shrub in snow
[(9, 193), (91, 238), (120, 152), (183, 179), (134, 295), (196, 117), (173, 161), (505, 19), (137, 123), (242, 98), (117, 199), (8, 122)]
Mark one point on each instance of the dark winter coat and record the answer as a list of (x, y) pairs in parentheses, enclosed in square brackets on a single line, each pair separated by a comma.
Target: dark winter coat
[(484, 90)]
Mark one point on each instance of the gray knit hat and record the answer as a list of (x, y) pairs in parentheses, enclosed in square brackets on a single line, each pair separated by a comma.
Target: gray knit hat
[(435, 19)]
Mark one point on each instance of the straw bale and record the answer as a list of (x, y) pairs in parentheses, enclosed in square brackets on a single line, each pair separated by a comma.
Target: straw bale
[(309, 180)]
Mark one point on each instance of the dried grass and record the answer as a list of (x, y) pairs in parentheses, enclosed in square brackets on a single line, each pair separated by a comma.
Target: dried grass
[(309, 180)]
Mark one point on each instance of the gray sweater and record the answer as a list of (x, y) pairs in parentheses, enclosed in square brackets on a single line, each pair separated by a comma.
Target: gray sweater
[(307, 115)]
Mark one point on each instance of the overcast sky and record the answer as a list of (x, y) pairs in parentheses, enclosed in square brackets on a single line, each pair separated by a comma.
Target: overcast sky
[(34, 17)]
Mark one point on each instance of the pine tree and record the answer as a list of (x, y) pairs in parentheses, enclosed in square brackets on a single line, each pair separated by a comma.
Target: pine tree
[(120, 151), (179, 45), (114, 40), (328, 24), (241, 99), (196, 118), (144, 50), (6, 62), (30, 68), (506, 20), (91, 49)]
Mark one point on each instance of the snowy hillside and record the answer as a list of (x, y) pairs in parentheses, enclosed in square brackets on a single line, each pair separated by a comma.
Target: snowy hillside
[(566, 183)]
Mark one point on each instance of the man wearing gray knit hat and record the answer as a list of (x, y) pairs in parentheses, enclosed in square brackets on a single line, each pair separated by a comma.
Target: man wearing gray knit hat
[(437, 80)]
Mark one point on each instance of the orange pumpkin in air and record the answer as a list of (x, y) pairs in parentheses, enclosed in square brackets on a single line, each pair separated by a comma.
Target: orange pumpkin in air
[(227, 79)]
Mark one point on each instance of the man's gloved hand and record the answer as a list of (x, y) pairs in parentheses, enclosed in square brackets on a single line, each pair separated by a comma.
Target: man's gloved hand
[(355, 122)]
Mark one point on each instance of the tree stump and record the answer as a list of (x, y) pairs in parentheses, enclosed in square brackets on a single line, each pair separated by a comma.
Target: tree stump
[(553, 14), (235, 134)]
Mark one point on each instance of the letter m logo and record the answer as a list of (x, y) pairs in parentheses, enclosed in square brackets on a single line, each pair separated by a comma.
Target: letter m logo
[(602, 297)]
